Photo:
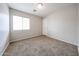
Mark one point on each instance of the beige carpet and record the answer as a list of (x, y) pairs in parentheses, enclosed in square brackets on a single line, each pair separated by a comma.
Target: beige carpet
[(40, 46)]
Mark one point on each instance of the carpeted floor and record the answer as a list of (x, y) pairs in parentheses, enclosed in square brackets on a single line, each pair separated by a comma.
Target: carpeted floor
[(40, 46)]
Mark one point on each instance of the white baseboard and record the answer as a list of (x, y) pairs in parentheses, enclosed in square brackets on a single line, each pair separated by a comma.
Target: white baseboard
[(24, 38), (6, 45), (61, 40)]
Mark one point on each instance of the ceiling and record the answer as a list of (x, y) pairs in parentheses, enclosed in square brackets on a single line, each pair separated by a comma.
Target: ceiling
[(47, 9)]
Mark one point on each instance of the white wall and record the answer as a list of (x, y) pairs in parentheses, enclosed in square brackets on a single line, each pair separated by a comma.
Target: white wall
[(4, 27), (35, 26), (78, 24), (78, 28), (62, 24)]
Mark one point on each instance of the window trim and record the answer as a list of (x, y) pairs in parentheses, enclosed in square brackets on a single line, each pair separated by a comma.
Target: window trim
[(22, 24)]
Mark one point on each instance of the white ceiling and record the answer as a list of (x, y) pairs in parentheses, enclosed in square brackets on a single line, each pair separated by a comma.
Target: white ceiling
[(47, 9)]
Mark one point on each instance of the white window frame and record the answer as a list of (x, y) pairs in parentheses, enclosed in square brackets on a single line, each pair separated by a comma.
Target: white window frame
[(23, 27)]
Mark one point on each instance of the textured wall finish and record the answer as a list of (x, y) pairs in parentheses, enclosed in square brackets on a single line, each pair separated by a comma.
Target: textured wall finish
[(62, 24), (4, 27), (35, 26)]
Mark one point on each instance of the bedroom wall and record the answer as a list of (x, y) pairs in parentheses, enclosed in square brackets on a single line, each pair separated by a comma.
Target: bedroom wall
[(4, 27), (78, 27), (35, 26), (62, 24)]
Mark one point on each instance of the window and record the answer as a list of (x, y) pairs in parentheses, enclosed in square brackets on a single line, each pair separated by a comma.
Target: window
[(21, 23)]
